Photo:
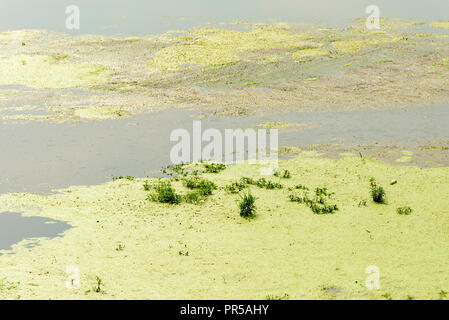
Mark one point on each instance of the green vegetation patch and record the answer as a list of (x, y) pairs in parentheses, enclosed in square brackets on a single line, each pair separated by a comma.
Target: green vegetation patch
[(441, 25), (51, 72), (318, 203), (221, 47)]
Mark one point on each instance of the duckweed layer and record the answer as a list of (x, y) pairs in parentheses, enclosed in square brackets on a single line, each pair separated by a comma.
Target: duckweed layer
[(19, 36), (309, 53), (49, 72), (215, 47), (208, 251), (351, 46), (406, 156), (441, 25), (231, 69)]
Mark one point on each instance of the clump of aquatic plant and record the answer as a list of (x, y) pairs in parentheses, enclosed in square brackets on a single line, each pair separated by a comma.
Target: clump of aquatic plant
[(285, 296), (273, 185), (387, 296), (323, 192), (362, 203), (130, 178), (318, 203), (120, 247), (404, 210), (146, 186), (301, 187), (214, 167), (247, 206), (285, 174), (304, 198), (261, 183), (235, 187), (318, 207), (377, 192), (203, 186), (164, 193), (98, 285), (248, 181), (175, 170), (194, 197)]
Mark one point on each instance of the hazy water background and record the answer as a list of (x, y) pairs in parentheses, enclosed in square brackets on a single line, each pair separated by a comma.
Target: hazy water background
[(155, 16)]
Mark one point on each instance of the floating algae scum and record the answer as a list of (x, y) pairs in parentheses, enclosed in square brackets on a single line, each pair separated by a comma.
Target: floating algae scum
[(230, 69), (339, 97), (207, 250)]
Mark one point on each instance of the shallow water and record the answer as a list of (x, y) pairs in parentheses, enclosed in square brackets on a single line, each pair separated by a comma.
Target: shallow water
[(38, 157), (14, 228), (152, 16)]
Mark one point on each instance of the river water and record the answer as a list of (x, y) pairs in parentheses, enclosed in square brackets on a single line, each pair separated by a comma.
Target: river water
[(154, 16)]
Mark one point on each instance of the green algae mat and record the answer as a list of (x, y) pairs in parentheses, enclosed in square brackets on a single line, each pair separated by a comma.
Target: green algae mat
[(124, 245), (228, 68)]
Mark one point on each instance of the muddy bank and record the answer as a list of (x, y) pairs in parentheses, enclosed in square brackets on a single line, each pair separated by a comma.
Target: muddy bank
[(230, 69), (143, 249)]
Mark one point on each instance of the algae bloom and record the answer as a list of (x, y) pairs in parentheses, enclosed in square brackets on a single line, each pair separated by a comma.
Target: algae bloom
[(41, 71)]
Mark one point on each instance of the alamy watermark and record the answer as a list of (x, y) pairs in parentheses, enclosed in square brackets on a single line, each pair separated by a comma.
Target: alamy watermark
[(73, 278), (372, 282), (189, 148), (72, 21), (373, 20)]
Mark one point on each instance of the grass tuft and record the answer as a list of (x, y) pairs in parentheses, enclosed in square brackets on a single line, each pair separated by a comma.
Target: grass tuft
[(204, 187), (247, 206), (235, 187), (164, 193), (130, 178), (285, 174), (377, 192), (404, 210), (214, 167), (261, 183)]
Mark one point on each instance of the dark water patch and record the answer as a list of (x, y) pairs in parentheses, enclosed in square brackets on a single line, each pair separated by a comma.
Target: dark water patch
[(14, 228), (38, 157)]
